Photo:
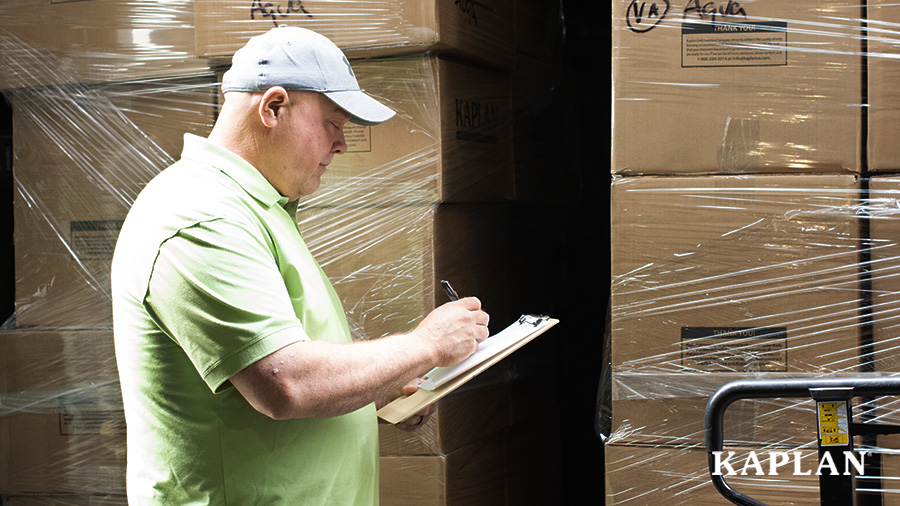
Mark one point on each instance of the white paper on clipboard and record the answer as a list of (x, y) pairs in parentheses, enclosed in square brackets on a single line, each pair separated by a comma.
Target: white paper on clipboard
[(445, 380), (488, 349)]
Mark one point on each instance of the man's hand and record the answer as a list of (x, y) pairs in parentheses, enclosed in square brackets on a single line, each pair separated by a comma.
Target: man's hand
[(419, 419), (454, 330)]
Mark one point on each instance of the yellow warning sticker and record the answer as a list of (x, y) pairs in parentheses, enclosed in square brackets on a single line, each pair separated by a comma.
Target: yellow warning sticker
[(833, 423)]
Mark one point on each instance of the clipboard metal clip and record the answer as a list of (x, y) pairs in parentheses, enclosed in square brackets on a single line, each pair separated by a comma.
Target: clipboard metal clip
[(532, 319)]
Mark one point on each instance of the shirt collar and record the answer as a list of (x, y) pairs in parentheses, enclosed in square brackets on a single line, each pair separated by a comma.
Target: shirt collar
[(202, 150)]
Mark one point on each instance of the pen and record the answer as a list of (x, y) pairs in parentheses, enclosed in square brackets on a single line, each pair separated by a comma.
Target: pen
[(449, 289), (451, 292)]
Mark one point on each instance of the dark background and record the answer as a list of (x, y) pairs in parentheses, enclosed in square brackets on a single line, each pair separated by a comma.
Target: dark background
[(7, 279), (585, 88)]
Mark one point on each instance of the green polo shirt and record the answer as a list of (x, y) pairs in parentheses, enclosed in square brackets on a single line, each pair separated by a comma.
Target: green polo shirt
[(210, 274)]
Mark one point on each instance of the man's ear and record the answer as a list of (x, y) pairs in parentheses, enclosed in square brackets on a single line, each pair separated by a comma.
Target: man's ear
[(270, 105)]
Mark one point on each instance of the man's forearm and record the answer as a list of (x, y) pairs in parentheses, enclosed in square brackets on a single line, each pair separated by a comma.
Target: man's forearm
[(315, 379), (321, 379)]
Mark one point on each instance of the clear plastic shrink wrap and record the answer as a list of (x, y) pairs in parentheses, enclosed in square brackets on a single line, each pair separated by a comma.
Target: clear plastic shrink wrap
[(755, 222), (102, 92)]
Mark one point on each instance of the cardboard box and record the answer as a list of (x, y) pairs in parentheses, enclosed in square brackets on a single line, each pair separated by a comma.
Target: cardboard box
[(81, 156), (887, 473), (720, 278), (519, 466), (94, 41), (540, 30), (481, 408), (473, 475), (883, 71), (43, 360), (65, 500), (478, 31), (386, 262), (673, 476), (881, 303), (63, 427), (736, 87)]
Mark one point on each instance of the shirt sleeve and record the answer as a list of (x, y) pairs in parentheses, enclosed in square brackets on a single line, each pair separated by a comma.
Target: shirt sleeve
[(217, 291)]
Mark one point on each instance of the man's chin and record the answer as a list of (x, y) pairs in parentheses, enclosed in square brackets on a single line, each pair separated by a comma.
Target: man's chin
[(312, 184)]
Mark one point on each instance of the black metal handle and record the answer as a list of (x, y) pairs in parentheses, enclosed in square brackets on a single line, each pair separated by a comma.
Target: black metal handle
[(769, 388)]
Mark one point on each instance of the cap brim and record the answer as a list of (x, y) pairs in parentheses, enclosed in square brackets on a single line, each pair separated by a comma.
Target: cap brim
[(363, 109)]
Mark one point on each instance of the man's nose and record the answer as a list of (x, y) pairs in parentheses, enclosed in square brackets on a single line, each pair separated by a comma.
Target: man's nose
[(340, 144)]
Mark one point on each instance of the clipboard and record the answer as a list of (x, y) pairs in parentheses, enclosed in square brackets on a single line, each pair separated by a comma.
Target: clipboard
[(440, 381)]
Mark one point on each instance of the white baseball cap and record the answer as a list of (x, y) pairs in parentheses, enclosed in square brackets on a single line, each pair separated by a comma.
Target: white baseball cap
[(300, 59)]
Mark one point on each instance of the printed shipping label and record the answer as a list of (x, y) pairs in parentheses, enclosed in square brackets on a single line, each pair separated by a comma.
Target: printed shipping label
[(101, 423), (94, 239), (94, 410), (733, 44), (358, 138), (734, 349)]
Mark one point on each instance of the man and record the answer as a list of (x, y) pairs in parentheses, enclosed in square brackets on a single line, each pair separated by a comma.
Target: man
[(240, 382)]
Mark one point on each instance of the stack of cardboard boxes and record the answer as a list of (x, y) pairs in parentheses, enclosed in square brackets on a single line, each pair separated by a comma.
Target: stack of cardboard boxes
[(100, 106), (883, 201), (753, 230), (95, 116)]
